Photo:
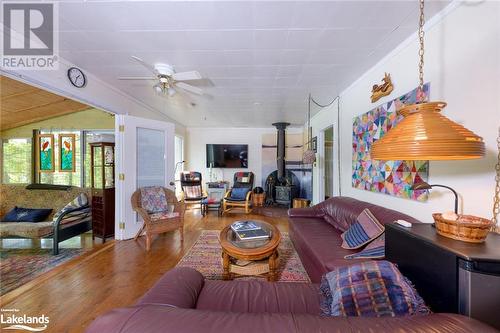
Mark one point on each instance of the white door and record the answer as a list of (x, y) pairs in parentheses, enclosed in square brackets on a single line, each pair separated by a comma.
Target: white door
[(144, 157)]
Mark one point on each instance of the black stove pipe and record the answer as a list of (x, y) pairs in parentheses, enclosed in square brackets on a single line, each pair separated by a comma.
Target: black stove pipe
[(281, 149)]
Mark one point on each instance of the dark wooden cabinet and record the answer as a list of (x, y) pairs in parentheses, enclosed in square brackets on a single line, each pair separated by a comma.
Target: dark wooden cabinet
[(102, 174), (450, 275)]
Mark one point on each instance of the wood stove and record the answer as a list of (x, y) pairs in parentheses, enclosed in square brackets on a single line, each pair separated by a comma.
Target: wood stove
[(281, 185), (283, 194)]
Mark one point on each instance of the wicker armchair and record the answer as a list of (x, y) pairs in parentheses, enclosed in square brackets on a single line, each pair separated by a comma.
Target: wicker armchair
[(156, 223)]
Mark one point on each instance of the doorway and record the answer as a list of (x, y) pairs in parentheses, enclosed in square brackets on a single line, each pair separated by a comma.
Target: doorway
[(328, 163), (144, 157)]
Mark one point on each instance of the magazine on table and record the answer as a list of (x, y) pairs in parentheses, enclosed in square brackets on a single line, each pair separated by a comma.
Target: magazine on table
[(244, 226), (254, 234)]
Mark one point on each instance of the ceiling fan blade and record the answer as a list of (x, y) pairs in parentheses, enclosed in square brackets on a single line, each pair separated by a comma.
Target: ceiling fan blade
[(186, 76), (137, 78), (143, 63), (190, 88)]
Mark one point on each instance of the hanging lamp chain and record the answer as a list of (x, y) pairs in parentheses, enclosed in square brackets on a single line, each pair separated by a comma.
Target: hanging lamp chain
[(421, 35), (496, 198)]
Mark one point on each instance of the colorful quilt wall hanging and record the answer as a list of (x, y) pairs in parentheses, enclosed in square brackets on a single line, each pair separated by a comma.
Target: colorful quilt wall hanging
[(388, 177)]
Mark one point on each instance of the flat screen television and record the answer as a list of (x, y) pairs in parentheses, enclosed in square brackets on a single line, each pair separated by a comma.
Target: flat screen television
[(227, 156)]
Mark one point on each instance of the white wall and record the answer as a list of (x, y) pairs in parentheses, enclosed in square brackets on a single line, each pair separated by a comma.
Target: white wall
[(462, 62), (197, 138)]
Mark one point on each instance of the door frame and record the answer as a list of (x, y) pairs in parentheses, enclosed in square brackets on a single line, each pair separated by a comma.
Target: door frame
[(126, 168), (321, 162)]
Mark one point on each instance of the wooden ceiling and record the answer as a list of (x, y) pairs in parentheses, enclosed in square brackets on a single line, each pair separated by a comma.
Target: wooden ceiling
[(22, 104)]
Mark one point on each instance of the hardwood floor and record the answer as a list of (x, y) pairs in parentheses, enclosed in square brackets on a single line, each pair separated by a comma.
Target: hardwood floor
[(116, 276)]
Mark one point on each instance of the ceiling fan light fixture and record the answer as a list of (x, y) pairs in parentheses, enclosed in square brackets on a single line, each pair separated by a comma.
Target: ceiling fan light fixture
[(167, 79), (158, 88), (171, 92)]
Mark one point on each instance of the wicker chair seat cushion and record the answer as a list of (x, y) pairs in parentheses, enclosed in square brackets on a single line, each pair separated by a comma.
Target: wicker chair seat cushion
[(163, 215), (153, 199)]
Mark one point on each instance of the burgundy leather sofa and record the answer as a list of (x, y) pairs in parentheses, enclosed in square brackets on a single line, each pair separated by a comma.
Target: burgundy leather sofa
[(315, 232), (182, 301)]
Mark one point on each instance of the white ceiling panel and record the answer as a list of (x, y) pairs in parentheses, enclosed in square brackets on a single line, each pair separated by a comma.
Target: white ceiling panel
[(263, 57)]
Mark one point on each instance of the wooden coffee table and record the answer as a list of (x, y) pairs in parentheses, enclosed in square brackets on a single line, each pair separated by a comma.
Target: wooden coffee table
[(250, 257)]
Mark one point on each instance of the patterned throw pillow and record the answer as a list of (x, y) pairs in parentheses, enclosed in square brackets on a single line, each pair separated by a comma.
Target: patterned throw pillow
[(19, 214), (192, 192), (80, 201), (374, 250), (364, 230), (153, 199), (369, 289)]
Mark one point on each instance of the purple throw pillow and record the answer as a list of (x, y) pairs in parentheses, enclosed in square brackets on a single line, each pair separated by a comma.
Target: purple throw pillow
[(374, 250), (369, 289), (364, 230)]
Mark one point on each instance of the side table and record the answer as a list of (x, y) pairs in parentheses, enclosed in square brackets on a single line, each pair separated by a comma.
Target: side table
[(450, 275), (215, 194)]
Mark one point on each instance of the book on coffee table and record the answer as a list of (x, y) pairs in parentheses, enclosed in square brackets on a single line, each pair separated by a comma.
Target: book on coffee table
[(252, 234), (244, 226)]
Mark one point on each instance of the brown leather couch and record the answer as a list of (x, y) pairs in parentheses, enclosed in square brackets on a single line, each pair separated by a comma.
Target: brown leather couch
[(182, 301), (315, 232)]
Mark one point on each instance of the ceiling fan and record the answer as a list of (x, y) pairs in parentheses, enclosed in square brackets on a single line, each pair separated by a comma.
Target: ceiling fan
[(167, 79)]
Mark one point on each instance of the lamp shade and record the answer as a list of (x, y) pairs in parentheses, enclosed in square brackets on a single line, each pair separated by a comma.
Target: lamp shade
[(425, 134)]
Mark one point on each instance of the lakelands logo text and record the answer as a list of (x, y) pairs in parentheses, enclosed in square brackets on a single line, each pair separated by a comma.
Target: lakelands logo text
[(30, 39), (15, 321)]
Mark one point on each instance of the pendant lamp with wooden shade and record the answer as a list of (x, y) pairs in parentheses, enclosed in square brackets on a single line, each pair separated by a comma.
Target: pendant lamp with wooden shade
[(424, 133)]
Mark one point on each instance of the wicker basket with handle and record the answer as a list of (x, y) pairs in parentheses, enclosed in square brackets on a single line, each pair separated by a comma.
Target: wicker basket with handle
[(466, 228)]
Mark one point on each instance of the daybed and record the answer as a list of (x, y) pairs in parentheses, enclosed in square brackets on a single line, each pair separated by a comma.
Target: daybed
[(70, 223)]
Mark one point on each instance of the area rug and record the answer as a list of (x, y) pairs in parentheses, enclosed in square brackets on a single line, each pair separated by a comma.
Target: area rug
[(20, 266), (205, 257)]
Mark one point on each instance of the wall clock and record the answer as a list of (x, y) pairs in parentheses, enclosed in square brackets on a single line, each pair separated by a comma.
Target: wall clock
[(76, 77)]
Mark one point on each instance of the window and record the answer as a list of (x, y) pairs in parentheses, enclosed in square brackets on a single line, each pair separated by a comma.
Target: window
[(64, 178), (16, 161)]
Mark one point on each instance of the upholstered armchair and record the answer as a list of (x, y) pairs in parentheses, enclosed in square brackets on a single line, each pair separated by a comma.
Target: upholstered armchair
[(154, 204), (192, 189), (240, 195)]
